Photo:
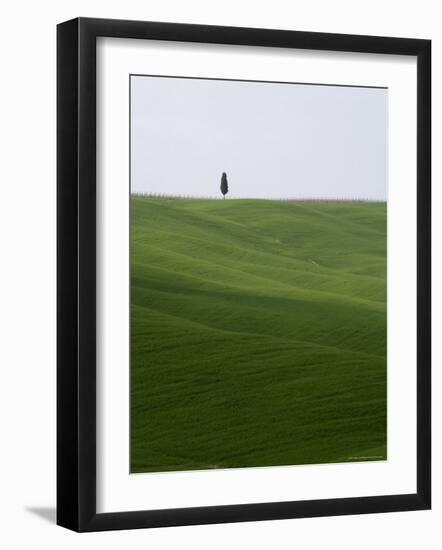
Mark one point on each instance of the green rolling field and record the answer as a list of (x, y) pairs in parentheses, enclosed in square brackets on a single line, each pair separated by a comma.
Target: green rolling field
[(258, 333)]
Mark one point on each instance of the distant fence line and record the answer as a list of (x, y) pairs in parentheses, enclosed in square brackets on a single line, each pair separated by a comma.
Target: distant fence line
[(286, 199)]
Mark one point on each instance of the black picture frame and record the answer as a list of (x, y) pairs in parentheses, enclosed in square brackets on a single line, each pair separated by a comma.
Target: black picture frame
[(76, 274)]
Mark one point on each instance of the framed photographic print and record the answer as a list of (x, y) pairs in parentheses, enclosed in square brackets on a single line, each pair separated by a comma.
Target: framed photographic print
[(243, 274)]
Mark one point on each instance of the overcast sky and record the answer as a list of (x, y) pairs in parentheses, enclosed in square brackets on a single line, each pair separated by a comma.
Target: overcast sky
[(272, 140)]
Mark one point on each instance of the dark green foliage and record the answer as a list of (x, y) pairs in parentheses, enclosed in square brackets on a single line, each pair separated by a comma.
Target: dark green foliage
[(224, 185), (258, 333)]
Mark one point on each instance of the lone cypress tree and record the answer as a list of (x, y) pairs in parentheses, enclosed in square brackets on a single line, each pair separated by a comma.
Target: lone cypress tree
[(224, 185)]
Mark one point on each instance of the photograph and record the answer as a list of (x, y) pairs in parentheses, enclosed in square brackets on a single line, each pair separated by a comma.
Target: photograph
[(220, 274), (258, 273)]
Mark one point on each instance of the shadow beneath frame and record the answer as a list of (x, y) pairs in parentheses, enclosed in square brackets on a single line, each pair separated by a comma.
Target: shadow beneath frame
[(46, 513)]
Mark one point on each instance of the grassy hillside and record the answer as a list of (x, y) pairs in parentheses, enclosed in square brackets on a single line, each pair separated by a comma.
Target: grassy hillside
[(258, 333)]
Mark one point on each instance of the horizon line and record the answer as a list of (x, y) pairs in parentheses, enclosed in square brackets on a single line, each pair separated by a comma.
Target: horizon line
[(287, 199)]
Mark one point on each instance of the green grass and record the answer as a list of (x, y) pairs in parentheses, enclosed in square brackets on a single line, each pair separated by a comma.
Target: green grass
[(258, 333)]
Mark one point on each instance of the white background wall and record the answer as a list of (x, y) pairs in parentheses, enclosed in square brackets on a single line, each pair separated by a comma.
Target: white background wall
[(27, 272)]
